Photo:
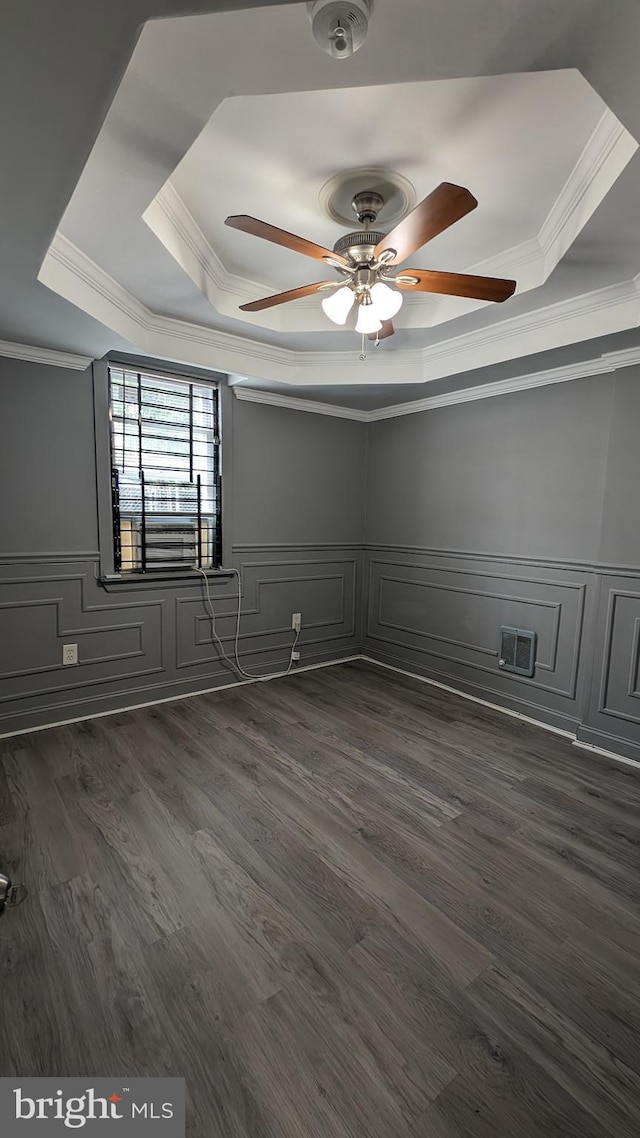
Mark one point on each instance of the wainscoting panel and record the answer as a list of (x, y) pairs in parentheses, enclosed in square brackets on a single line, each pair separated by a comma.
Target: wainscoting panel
[(139, 643), (323, 590), (440, 615), (613, 714)]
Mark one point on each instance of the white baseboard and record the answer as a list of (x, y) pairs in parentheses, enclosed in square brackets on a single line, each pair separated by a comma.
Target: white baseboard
[(575, 742), (606, 754), (175, 698), (570, 735)]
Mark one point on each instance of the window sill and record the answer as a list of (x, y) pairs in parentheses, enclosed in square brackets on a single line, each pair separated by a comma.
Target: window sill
[(113, 582)]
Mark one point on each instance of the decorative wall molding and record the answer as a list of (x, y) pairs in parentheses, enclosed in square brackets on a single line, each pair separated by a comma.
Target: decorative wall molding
[(75, 611), (38, 355), (61, 556), (137, 648), (335, 584), (482, 591), (616, 703), (559, 563)]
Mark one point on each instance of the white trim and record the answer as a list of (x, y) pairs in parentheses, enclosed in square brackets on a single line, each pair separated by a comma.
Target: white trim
[(175, 698), (273, 399), (606, 754), (70, 273), (330, 664), (600, 365), (507, 711), (474, 698), (606, 153), (174, 225), (44, 356)]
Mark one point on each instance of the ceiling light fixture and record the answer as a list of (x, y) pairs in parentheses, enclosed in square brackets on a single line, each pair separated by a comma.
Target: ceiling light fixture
[(338, 306), (377, 303), (386, 301), (367, 261), (368, 319)]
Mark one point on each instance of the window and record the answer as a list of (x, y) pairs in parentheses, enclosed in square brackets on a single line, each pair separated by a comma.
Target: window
[(165, 472)]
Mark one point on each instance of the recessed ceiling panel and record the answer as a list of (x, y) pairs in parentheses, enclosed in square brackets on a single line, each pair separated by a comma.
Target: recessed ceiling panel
[(523, 144)]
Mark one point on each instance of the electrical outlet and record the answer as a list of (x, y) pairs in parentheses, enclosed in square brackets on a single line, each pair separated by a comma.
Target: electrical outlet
[(296, 621), (69, 654), (295, 656)]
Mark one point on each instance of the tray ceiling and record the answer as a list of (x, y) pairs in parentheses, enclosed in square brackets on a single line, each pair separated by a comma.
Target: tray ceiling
[(238, 112)]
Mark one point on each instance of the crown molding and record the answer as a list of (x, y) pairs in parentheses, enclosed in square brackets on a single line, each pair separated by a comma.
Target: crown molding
[(72, 274), (599, 365), (38, 355), (273, 399), (169, 218), (607, 152)]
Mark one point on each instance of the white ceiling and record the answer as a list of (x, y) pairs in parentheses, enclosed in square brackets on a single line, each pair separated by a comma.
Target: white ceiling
[(279, 150), (240, 112)]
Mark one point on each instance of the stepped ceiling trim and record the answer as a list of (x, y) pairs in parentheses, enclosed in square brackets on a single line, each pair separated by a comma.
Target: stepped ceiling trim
[(37, 355), (605, 155), (69, 272), (599, 365)]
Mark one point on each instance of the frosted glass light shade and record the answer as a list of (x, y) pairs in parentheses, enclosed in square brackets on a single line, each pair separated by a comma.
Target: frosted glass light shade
[(386, 301), (338, 305), (368, 320)]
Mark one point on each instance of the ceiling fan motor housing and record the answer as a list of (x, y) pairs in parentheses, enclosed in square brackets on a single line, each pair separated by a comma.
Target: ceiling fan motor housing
[(340, 26), (358, 245)]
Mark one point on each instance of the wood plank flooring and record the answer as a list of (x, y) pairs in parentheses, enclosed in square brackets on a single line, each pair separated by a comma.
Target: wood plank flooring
[(342, 905)]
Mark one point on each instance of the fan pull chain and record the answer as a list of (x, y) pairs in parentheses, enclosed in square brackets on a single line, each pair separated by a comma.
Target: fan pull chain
[(363, 354)]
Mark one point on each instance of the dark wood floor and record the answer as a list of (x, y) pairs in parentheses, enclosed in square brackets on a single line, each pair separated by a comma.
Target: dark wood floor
[(342, 905)]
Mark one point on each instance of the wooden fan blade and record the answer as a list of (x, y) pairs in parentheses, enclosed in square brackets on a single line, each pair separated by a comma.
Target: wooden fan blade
[(283, 297), (447, 204), (386, 331), (458, 284), (282, 237)]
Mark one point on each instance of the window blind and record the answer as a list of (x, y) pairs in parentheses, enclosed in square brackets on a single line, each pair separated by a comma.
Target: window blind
[(165, 472)]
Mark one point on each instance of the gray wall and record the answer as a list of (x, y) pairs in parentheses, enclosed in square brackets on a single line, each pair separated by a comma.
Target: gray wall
[(293, 522), (521, 474), (518, 510), (297, 476), (412, 539)]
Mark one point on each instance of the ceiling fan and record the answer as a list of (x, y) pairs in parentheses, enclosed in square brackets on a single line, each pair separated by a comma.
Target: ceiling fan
[(367, 261)]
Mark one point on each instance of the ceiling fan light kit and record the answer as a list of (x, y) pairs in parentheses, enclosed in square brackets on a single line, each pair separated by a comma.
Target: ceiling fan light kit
[(368, 320), (338, 306), (340, 28), (386, 301), (366, 260)]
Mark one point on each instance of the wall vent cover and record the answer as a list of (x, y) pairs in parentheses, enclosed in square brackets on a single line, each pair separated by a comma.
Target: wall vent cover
[(517, 651)]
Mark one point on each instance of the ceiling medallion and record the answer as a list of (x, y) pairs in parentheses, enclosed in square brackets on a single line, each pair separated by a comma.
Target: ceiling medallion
[(397, 192)]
